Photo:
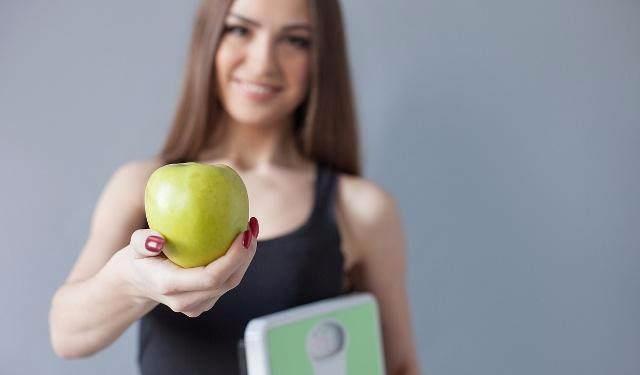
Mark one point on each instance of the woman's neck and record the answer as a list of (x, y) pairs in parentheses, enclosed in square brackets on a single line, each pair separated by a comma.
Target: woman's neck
[(255, 146)]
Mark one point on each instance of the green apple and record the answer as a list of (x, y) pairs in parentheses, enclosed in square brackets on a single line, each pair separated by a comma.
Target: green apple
[(198, 208)]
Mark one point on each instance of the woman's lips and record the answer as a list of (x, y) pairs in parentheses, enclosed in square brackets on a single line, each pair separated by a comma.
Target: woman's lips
[(256, 91)]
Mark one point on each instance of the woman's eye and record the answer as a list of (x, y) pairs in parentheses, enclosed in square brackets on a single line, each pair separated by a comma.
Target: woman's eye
[(299, 42), (236, 30)]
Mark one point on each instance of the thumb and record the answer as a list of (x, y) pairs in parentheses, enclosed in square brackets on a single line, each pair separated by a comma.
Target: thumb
[(147, 243)]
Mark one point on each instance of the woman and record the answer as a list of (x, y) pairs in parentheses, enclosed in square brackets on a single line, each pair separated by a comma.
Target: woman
[(266, 91)]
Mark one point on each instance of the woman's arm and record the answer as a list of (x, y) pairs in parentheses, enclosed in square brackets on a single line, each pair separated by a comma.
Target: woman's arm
[(112, 286), (92, 308), (372, 232), (87, 316)]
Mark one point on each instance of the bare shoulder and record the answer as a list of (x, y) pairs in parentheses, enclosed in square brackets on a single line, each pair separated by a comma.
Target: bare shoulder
[(376, 243), (117, 214), (138, 170), (363, 201), (368, 217), (142, 165), (130, 178)]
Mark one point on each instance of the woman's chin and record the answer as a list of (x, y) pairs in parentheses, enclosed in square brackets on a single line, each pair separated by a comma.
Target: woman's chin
[(255, 118)]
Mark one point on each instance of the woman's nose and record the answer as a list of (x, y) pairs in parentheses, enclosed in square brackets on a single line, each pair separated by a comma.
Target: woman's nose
[(262, 56)]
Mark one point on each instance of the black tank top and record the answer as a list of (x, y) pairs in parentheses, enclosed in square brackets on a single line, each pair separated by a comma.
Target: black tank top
[(300, 267)]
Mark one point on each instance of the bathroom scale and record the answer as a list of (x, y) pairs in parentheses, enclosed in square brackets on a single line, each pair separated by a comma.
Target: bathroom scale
[(337, 336)]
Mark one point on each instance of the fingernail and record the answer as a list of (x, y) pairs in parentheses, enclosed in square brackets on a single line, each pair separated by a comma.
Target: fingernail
[(255, 228), (246, 239), (154, 243)]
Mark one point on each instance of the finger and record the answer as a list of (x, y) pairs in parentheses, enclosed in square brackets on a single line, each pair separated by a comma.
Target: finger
[(202, 308), (180, 280), (215, 275), (186, 301), (237, 276), (190, 301), (195, 279), (147, 243), (236, 257), (219, 279)]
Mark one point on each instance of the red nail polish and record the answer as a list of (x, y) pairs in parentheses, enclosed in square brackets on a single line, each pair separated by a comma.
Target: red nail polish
[(255, 228), (154, 243), (246, 239)]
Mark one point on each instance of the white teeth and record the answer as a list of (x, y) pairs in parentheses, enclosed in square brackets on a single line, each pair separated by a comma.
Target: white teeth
[(258, 89)]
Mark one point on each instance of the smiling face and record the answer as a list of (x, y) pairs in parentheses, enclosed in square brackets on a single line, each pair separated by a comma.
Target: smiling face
[(263, 60)]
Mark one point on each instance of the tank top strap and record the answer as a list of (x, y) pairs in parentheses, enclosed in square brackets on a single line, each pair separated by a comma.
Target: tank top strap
[(325, 191)]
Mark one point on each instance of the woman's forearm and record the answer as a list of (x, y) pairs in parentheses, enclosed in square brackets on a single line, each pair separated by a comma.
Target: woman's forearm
[(88, 315)]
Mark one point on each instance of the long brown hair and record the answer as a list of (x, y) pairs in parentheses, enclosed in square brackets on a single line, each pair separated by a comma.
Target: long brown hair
[(325, 127)]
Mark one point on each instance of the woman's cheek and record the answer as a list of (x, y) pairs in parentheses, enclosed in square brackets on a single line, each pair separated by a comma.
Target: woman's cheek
[(302, 76), (226, 56)]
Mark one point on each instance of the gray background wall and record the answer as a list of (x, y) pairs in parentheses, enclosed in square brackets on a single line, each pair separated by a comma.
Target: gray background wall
[(507, 130)]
